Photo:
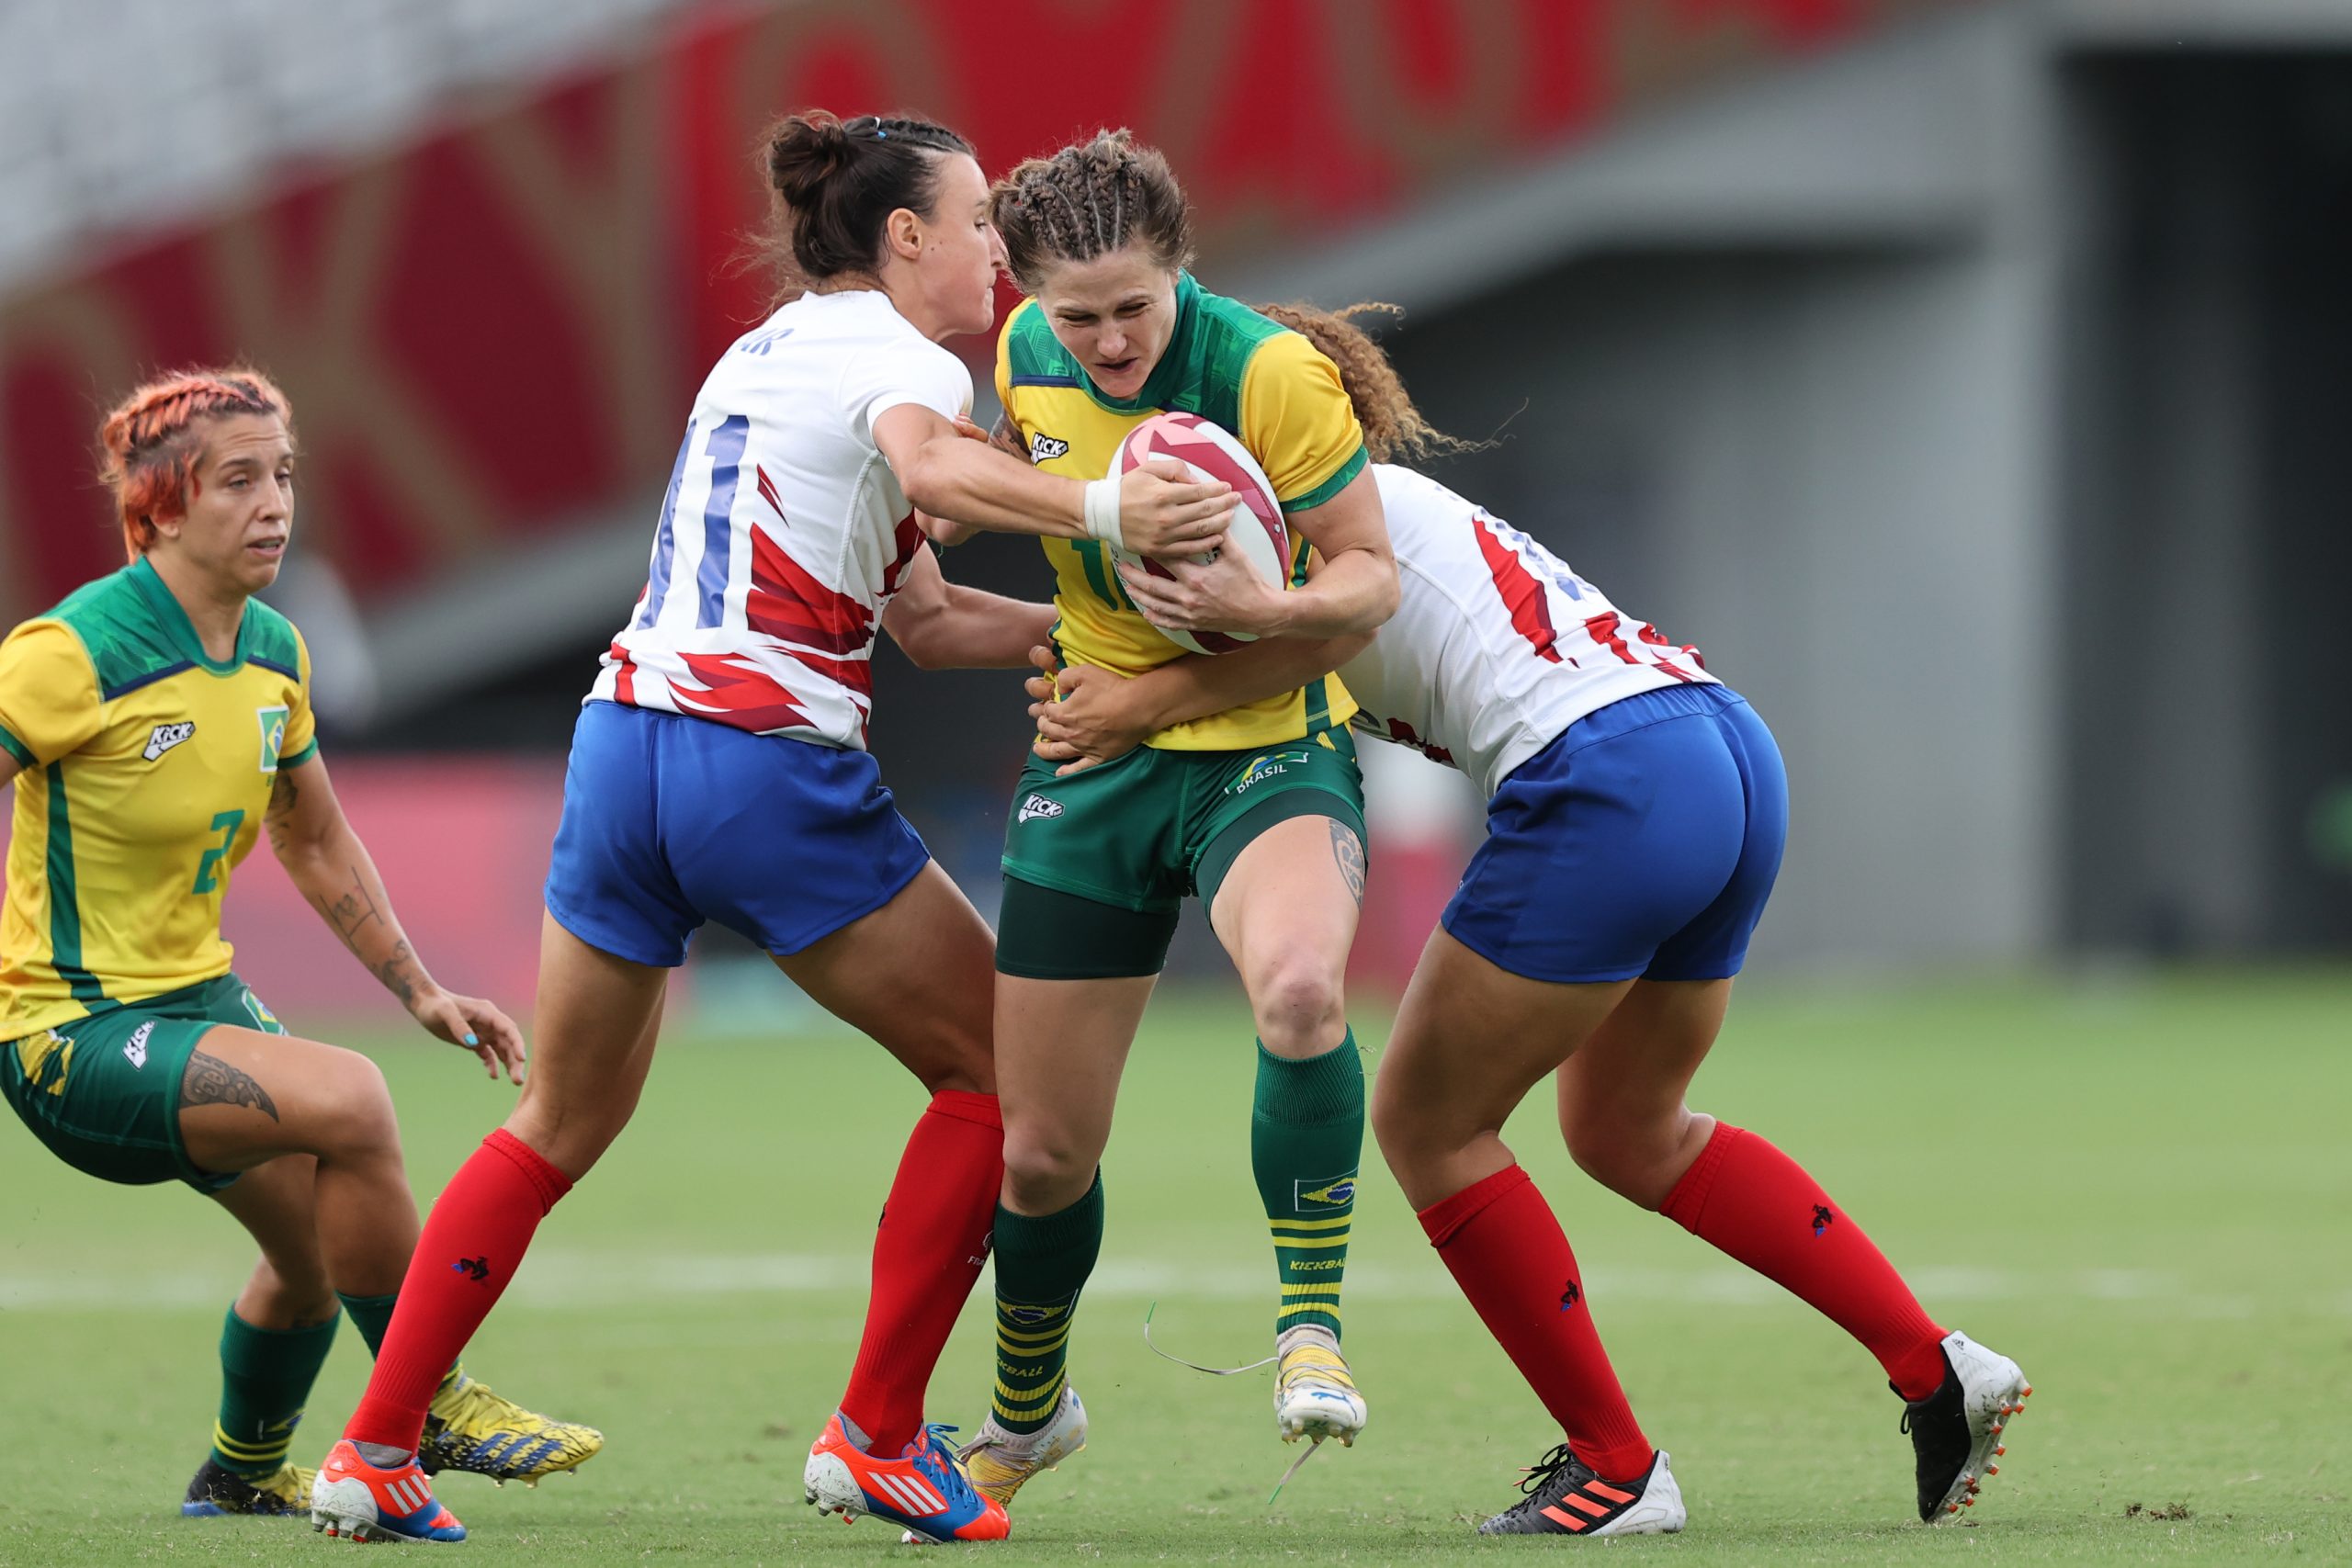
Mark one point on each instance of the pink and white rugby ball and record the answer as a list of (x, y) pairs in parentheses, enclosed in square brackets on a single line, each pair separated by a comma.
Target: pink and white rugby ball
[(1258, 531)]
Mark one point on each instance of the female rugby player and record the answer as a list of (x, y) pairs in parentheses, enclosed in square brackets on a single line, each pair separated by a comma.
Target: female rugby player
[(155, 723), (1636, 813), (1257, 808), (719, 772)]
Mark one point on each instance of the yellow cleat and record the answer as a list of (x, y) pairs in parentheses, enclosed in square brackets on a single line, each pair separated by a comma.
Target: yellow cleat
[(216, 1491), (469, 1427), (998, 1461)]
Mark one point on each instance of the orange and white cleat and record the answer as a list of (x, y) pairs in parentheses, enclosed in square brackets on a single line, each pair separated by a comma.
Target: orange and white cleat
[(1956, 1431), (358, 1501), (925, 1491)]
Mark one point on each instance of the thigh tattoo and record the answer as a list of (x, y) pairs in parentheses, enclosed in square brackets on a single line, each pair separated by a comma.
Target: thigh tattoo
[(1348, 850), (212, 1081)]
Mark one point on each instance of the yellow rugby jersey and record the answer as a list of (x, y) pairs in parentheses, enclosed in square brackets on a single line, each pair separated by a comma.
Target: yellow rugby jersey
[(147, 767), (1269, 385)]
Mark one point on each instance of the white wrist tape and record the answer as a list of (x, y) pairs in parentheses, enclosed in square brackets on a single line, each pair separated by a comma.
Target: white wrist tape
[(1102, 512)]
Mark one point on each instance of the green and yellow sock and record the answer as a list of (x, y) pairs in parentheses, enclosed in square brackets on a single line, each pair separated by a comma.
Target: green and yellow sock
[(265, 1378), (1306, 1143), (1042, 1262)]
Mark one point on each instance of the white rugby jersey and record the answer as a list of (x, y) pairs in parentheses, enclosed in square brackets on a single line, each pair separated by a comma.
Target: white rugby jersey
[(784, 534), (1497, 646)]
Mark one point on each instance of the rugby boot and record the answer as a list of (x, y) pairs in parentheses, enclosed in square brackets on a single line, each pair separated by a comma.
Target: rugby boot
[(924, 1491), (1564, 1498), (1314, 1396), (1000, 1462), (217, 1491), (1956, 1431), (469, 1427), (358, 1501)]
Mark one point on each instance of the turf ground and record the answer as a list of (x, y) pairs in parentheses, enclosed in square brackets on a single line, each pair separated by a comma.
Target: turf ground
[(2140, 1190)]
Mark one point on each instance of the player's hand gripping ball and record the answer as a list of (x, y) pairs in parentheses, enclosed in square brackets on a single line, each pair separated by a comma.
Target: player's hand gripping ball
[(1258, 530)]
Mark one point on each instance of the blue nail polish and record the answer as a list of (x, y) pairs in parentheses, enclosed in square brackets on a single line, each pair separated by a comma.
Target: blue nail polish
[(471, 1040)]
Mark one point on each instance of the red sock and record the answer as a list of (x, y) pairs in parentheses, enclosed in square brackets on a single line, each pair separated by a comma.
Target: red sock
[(1509, 1257), (1756, 1204), (927, 1253), (472, 1244)]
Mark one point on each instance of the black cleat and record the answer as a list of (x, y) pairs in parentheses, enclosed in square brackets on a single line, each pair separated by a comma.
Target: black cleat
[(1956, 1431), (216, 1491), (1564, 1498)]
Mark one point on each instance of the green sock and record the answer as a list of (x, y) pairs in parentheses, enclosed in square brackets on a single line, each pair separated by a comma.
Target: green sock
[(1042, 1262), (373, 1314), (1306, 1141), (265, 1378)]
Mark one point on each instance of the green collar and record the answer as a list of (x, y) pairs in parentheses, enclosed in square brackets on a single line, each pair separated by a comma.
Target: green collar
[(179, 628), (1168, 376)]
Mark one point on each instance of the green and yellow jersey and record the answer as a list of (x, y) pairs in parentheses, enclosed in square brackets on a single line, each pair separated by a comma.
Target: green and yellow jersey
[(1269, 385), (147, 767)]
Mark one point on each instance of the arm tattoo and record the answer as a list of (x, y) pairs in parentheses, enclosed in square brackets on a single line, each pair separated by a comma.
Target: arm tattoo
[(351, 911), (396, 974), (279, 817), (1348, 850), (212, 1081)]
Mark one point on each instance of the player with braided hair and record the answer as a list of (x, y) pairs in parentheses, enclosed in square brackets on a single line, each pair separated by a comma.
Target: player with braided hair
[(1256, 810), (155, 723)]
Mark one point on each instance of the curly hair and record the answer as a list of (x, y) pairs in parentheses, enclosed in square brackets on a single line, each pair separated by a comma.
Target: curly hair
[(1089, 199), (1393, 428), (150, 441)]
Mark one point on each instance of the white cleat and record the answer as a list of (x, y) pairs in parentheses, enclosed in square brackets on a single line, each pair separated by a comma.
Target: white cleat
[(1956, 1431), (1564, 1498), (1313, 1396)]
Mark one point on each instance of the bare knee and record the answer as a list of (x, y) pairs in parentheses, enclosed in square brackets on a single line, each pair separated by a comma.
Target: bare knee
[(1045, 1172), (358, 1121), (285, 1294), (962, 1062), (1639, 1156), (1300, 1005), (569, 1133)]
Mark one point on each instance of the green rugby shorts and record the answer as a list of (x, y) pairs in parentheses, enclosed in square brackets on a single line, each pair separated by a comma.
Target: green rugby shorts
[(104, 1091), (1134, 837)]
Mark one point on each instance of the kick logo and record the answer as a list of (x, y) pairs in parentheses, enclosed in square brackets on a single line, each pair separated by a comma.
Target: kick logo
[(135, 1048), (1037, 806), (1821, 1219), (1045, 448), (1313, 1197), (168, 735), (474, 1268)]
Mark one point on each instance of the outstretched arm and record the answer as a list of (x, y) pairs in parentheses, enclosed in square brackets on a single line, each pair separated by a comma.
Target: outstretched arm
[(332, 869), (1153, 510), (941, 625), (1087, 716)]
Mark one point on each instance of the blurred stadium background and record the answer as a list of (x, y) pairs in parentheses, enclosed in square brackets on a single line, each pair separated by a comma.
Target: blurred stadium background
[(1967, 378)]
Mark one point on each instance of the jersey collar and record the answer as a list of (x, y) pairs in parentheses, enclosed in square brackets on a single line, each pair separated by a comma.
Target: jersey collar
[(1167, 377), (179, 628)]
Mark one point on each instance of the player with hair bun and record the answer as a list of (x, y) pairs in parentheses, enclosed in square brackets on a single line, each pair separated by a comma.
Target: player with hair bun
[(719, 772), (1256, 808), (155, 723), (1637, 809)]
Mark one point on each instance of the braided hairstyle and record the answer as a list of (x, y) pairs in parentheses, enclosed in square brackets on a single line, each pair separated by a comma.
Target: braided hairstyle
[(835, 183), (1088, 200), (1393, 427), (149, 444)]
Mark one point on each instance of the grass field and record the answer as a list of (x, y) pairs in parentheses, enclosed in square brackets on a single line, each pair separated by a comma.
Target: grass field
[(2141, 1191)]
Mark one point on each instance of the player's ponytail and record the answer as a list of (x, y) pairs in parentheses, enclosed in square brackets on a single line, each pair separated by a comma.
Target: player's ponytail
[(836, 183), (147, 444), (1393, 428)]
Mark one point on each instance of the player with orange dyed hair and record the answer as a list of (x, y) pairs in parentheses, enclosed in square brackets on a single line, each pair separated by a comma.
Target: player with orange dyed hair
[(155, 723)]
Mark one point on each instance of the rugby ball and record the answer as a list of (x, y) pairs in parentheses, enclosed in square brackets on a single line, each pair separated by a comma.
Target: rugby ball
[(1258, 531)]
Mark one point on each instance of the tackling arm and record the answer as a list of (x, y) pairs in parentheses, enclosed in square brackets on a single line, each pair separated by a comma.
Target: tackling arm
[(1087, 716), (336, 875), (1354, 590), (941, 625)]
